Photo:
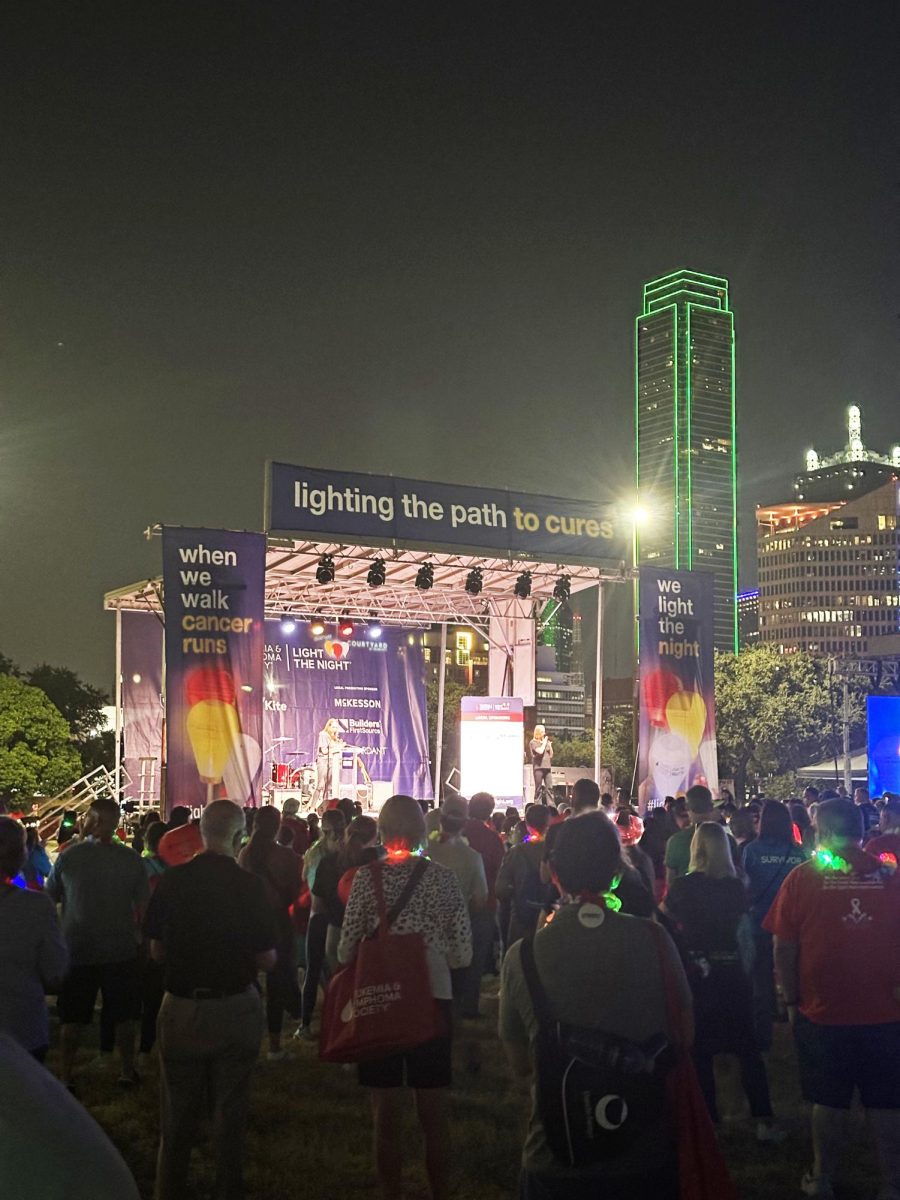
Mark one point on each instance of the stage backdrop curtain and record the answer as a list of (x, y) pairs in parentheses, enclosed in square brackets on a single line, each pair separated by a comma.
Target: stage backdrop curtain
[(375, 688)]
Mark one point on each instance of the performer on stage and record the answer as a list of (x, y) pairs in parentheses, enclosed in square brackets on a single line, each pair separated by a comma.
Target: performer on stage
[(328, 763), (541, 749)]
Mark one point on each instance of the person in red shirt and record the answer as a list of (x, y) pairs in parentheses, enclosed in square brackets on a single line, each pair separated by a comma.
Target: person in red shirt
[(887, 840), (481, 835), (836, 921), (298, 828)]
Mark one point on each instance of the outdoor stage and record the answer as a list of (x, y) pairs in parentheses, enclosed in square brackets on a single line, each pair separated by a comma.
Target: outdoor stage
[(342, 644)]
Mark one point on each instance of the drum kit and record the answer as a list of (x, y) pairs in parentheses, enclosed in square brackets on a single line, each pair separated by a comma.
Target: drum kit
[(352, 780), (289, 779)]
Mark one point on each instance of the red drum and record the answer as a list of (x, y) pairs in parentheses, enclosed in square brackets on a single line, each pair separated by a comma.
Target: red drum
[(281, 774)]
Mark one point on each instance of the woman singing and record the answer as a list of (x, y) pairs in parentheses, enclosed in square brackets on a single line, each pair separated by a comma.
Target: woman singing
[(541, 749)]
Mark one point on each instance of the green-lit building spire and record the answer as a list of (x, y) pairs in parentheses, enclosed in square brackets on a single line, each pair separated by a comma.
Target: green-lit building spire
[(685, 432)]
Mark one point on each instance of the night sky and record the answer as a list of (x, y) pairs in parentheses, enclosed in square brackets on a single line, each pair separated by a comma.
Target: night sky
[(411, 239)]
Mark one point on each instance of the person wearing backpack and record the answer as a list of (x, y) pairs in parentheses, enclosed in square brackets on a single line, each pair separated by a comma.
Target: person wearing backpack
[(768, 860), (423, 898), (602, 977), (520, 875)]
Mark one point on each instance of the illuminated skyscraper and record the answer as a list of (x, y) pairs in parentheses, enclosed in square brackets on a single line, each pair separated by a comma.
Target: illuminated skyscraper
[(557, 630), (684, 422)]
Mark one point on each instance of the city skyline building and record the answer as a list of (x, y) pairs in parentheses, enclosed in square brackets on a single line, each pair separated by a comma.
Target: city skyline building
[(748, 618), (685, 434), (851, 469), (828, 573)]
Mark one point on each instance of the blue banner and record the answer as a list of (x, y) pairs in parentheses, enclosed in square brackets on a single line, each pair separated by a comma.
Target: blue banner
[(370, 692), (214, 584), (340, 505), (883, 743), (678, 716)]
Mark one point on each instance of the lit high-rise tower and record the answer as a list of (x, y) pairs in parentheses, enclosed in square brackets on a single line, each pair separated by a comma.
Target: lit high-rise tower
[(684, 424)]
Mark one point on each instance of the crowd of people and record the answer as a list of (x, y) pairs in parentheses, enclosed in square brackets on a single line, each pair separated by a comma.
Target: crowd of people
[(642, 941)]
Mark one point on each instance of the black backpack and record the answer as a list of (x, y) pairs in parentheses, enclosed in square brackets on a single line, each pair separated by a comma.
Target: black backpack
[(596, 1093)]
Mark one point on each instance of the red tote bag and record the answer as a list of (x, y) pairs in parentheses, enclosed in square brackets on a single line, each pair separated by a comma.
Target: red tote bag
[(381, 1003)]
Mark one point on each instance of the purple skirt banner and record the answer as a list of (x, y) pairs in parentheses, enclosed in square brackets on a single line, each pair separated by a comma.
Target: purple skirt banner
[(343, 711), (678, 717), (142, 704), (214, 591)]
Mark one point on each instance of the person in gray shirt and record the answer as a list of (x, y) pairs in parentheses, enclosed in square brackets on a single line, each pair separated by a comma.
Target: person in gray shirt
[(33, 954), (102, 887)]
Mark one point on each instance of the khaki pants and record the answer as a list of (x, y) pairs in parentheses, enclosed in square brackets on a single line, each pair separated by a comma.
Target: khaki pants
[(207, 1049)]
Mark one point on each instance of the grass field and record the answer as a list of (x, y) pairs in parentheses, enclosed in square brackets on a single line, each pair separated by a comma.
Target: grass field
[(308, 1135)]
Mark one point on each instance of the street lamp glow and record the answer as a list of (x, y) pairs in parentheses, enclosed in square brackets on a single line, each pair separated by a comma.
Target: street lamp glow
[(640, 515)]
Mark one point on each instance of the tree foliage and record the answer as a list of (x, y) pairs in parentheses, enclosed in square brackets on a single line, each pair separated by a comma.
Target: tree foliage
[(453, 694), (37, 757), (777, 712), (80, 704), (7, 666), (617, 749)]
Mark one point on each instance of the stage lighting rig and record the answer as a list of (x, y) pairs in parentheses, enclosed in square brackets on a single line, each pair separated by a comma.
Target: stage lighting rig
[(317, 627), (288, 624), (563, 589), (523, 585), (374, 630), (325, 569), (345, 627), (475, 581), (377, 573), (425, 577)]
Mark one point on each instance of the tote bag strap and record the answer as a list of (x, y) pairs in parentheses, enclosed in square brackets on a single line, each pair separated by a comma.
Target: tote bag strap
[(385, 918)]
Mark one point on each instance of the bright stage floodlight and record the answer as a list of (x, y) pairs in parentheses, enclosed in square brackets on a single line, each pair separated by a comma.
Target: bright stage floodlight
[(563, 589), (345, 627), (523, 585), (474, 581), (377, 573), (288, 624), (317, 627), (425, 577), (325, 569), (374, 630)]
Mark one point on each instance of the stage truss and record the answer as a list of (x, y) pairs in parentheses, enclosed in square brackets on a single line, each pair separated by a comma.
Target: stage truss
[(292, 587)]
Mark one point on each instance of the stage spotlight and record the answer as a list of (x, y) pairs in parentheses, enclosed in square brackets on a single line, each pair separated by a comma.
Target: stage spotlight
[(563, 589), (425, 577), (288, 624), (474, 581), (325, 569), (523, 585), (317, 627), (374, 630), (377, 573), (345, 627)]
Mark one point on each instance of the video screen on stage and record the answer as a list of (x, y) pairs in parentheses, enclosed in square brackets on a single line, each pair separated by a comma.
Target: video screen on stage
[(492, 747)]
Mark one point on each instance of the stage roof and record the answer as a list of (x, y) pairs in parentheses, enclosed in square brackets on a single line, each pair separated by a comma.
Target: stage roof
[(291, 585)]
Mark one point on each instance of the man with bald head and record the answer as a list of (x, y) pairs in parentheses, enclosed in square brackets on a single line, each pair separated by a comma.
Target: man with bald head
[(210, 926)]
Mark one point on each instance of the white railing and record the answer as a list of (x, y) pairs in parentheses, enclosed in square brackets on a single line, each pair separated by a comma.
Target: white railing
[(79, 796)]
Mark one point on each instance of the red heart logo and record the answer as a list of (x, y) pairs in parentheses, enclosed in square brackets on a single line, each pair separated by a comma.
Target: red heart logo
[(337, 650)]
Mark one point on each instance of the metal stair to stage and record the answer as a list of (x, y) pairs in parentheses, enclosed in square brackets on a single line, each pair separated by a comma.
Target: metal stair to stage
[(79, 796)]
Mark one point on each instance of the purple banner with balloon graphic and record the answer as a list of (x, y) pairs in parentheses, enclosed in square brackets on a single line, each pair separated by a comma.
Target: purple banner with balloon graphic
[(214, 583), (678, 719)]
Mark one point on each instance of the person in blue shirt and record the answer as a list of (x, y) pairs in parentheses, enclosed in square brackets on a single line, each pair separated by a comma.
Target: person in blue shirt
[(768, 860), (37, 863)]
